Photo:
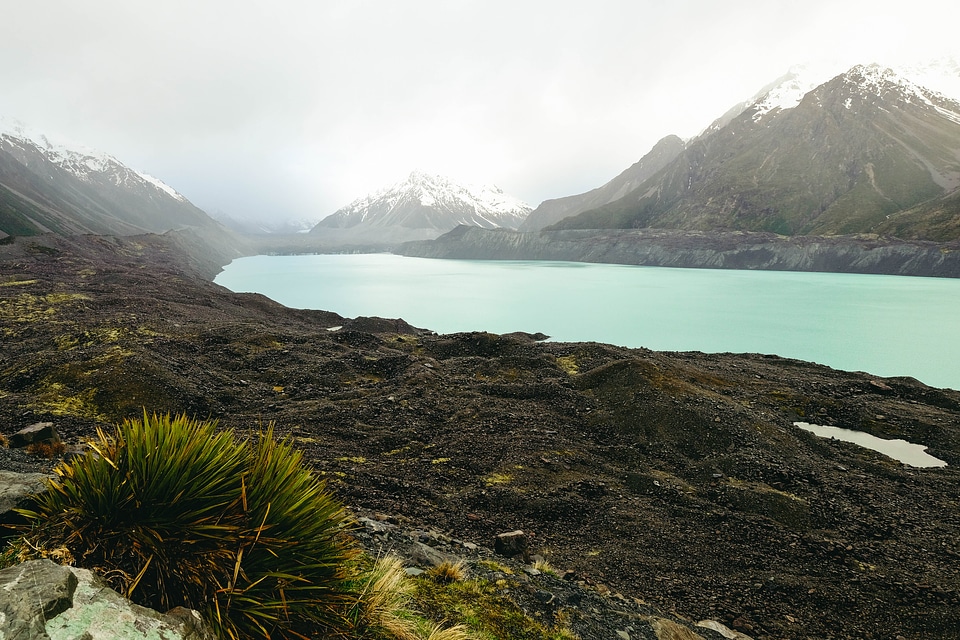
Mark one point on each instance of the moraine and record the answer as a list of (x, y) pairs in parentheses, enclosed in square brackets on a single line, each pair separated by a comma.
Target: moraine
[(884, 325)]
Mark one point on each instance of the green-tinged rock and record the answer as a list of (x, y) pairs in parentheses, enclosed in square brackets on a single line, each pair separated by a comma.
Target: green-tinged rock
[(41, 600)]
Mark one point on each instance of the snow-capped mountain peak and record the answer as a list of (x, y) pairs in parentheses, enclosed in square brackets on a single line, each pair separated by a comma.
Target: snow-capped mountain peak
[(79, 160), (920, 80), (785, 92), (427, 201)]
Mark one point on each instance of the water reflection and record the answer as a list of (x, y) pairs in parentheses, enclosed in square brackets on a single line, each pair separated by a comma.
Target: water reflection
[(908, 453)]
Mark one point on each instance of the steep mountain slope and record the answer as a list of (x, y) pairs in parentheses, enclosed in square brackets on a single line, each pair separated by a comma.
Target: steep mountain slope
[(856, 150), (50, 187), (551, 211), (423, 206)]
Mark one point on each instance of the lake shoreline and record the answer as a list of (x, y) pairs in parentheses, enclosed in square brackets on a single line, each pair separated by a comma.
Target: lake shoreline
[(887, 325), (675, 478), (702, 250)]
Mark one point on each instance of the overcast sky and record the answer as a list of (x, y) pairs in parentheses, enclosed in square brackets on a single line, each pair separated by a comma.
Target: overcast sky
[(292, 109)]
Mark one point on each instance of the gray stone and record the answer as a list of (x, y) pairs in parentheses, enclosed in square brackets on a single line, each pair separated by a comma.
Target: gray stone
[(423, 555), (41, 432), (40, 600), (16, 490), (30, 594)]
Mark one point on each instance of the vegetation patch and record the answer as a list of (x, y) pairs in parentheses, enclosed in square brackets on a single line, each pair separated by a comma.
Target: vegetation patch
[(481, 608), (498, 478), (173, 512), (569, 364)]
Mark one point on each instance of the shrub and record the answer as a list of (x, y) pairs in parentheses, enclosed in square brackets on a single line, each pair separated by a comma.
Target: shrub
[(172, 512)]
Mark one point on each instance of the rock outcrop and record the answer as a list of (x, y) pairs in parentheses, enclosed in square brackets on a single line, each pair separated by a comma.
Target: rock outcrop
[(16, 490), (41, 600), (697, 249)]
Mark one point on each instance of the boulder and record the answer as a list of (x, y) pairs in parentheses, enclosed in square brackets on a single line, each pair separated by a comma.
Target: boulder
[(32, 593), (16, 490), (39, 433), (40, 600), (666, 629), (512, 544)]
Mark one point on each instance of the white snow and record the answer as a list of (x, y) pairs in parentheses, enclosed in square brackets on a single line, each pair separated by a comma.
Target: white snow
[(941, 75), (917, 81), (469, 204), (786, 92), (163, 186), (78, 159)]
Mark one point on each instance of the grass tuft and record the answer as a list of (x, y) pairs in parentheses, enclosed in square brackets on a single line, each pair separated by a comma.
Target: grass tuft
[(447, 572)]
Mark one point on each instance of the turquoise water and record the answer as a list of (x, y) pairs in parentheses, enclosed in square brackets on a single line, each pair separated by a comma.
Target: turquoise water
[(885, 325)]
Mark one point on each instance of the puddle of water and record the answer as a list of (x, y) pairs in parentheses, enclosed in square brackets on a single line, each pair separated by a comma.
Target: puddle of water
[(908, 453)]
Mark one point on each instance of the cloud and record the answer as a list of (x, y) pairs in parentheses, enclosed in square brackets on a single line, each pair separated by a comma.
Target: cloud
[(295, 108)]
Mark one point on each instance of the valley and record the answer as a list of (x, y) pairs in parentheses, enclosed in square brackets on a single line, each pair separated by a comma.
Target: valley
[(676, 478)]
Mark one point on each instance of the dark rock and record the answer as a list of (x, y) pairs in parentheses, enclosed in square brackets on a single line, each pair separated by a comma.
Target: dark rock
[(32, 593), (39, 433), (512, 544)]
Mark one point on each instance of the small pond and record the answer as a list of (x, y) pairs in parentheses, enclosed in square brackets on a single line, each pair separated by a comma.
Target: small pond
[(908, 453)]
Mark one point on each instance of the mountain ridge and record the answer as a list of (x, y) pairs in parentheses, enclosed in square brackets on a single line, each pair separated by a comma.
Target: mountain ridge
[(858, 148), (49, 186), (424, 205)]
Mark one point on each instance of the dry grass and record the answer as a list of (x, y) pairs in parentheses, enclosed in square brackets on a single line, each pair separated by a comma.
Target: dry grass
[(447, 572), (48, 450)]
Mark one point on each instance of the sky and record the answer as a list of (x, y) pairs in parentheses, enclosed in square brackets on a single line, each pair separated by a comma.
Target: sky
[(291, 109)]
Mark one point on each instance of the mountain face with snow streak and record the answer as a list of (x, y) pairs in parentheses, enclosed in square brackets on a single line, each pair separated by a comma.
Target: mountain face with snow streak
[(868, 151), (421, 207), (48, 186)]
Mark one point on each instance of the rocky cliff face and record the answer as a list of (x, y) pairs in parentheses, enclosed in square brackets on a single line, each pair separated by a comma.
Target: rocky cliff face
[(703, 250), (552, 211)]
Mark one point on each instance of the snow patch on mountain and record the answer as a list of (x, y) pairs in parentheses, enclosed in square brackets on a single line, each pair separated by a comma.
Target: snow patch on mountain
[(875, 81), (80, 160), (786, 92), (941, 75), (918, 80), (433, 201)]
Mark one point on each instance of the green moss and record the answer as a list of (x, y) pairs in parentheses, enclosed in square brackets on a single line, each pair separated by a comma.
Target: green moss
[(483, 609), (498, 478), (569, 364)]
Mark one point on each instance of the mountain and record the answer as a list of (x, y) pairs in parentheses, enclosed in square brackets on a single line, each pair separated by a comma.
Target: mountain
[(47, 186), (868, 151), (551, 211), (421, 207), (785, 92)]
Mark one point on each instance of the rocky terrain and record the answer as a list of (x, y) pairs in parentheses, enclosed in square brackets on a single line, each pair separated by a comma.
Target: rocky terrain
[(698, 249), (677, 479)]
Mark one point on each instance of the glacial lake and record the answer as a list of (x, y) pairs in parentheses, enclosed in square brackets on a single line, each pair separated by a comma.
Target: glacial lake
[(884, 325)]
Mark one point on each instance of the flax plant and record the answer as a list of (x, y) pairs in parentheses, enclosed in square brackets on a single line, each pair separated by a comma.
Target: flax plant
[(173, 512)]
